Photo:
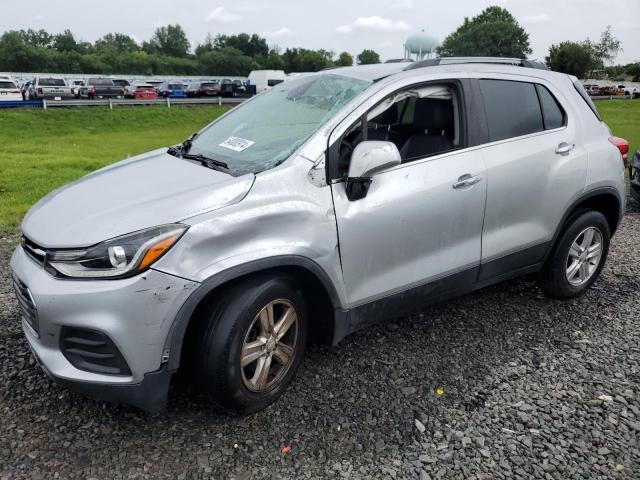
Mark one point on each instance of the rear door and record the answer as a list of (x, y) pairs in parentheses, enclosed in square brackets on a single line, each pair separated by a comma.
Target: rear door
[(536, 166)]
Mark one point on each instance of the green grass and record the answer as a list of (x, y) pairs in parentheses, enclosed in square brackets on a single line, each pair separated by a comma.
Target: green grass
[(42, 150), (623, 118)]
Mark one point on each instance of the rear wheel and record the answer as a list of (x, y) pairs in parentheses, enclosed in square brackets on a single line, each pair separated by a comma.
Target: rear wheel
[(578, 257), (253, 340)]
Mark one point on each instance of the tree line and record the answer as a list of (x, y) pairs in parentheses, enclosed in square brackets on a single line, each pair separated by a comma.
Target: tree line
[(168, 52), (494, 32)]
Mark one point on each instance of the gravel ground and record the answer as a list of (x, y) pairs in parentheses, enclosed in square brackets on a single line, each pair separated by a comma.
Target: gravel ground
[(503, 383)]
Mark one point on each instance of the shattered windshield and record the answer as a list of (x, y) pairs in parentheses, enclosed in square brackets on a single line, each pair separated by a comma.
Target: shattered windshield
[(264, 132)]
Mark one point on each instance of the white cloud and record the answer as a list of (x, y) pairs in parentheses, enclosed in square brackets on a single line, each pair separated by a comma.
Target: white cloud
[(283, 32), (374, 24), (402, 5), (221, 15), (539, 18)]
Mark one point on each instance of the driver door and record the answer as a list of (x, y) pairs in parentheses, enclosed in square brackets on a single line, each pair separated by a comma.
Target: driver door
[(418, 230)]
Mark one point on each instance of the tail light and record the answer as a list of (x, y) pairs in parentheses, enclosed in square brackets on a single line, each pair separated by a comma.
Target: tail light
[(623, 146)]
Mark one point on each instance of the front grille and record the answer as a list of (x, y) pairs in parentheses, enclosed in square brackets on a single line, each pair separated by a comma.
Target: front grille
[(27, 305), (34, 250), (92, 351)]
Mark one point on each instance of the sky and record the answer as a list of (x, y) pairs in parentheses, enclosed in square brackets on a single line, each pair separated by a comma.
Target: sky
[(337, 25)]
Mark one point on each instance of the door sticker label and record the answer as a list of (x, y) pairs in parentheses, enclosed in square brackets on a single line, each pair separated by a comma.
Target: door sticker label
[(236, 143)]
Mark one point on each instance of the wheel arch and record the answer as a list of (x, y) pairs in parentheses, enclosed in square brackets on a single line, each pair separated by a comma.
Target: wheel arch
[(605, 200), (324, 303)]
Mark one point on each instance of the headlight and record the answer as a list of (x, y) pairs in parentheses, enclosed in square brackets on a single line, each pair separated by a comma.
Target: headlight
[(119, 257)]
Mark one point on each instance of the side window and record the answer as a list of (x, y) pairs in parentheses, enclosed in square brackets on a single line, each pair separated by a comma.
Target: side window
[(512, 108), (552, 113), (407, 109), (422, 121)]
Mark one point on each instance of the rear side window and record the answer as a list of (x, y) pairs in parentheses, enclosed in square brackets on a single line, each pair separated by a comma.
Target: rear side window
[(585, 96), (552, 112), (512, 108)]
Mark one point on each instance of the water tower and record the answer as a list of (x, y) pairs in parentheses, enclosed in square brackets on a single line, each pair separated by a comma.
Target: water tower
[(421, 45)]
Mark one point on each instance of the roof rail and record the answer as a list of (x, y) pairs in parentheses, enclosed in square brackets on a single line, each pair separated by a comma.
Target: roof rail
[(433, 62)]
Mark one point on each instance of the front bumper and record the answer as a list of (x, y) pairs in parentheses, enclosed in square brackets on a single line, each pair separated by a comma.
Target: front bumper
[(150, 394), (134, 313)]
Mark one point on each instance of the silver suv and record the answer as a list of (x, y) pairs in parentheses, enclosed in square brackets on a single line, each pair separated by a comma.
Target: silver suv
[(328, 203)]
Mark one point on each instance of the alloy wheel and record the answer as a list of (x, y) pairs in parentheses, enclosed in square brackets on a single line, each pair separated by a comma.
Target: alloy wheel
[(269, 346), (584, 256)]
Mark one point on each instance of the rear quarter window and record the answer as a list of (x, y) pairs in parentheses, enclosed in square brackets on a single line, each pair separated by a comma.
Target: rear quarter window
[(552, 113), (512, 108), (585, 96)]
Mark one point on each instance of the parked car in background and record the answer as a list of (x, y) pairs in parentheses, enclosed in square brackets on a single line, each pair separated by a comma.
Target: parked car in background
[(9, 91), (124, 84), (156, 84), (239, 87), (76, 85), (209, 88), (143, 91), (265, 79), (220, 255), (51, 88), (101, 88), (226, 87), (24, 89), (632, 92), (231, 88), (592, 90), (172, 90)]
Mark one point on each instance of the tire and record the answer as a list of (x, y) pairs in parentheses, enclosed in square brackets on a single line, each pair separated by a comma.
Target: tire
[(232, 321), (569, 272)]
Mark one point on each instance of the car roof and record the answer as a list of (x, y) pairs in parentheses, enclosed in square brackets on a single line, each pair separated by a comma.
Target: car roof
[(438, 66), (368, 72)]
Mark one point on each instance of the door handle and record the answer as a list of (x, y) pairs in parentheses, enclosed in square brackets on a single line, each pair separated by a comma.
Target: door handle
[(565, 147), (467, 180)]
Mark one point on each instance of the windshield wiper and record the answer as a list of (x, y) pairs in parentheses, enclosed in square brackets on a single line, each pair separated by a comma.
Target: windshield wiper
[(204, 160), (183, 148)]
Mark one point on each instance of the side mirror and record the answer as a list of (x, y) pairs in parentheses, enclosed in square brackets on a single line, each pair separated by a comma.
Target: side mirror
[(368, 158)]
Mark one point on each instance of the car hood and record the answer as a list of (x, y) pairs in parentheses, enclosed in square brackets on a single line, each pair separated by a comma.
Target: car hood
[(144, 191)]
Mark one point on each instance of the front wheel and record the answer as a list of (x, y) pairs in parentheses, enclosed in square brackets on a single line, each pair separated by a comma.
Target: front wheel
[(578, 257), (253, 340)]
